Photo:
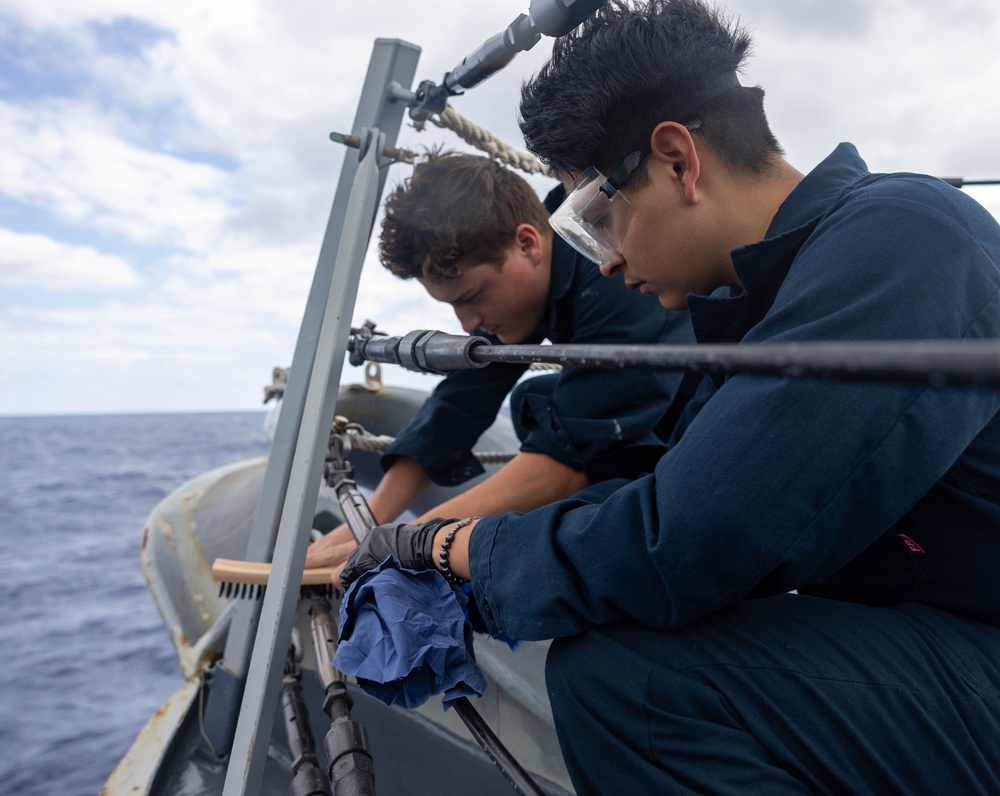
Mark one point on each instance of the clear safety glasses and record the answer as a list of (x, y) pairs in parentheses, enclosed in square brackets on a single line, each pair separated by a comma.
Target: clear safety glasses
[(594, 217)]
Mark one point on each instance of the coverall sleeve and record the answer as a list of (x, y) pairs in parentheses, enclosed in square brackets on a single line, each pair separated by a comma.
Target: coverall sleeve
[(444, 430), (602, 421), (776, 482)]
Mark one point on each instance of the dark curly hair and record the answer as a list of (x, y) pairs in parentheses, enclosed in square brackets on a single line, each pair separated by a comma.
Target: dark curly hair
[(455, 207), (612, 80)]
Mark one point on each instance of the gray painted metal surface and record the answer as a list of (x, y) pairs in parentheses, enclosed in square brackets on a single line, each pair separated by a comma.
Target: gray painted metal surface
[(352, 228), (414, 754), (256, 719), (392, 62)]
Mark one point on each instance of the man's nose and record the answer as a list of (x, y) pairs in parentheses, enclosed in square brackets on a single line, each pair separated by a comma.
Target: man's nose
[(469, 318), (614, 265)]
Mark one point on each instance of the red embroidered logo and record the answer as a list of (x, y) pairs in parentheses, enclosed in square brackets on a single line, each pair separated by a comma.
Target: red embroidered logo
[(912, 547)]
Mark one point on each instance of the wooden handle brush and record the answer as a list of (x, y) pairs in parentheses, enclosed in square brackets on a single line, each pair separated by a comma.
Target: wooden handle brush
[(248, 578)]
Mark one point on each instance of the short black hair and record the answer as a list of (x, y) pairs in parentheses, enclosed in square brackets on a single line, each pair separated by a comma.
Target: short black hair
[(455, 208), (612, 80)]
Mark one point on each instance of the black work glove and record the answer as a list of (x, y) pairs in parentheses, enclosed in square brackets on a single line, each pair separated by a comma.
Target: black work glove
[(413, 545)]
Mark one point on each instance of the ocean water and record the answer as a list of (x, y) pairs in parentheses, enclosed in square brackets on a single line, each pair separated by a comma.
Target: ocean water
[(84, 658)]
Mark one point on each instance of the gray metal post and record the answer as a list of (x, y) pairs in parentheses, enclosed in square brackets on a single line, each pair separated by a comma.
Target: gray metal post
[(392, 61), (260, 699), (288, 497)]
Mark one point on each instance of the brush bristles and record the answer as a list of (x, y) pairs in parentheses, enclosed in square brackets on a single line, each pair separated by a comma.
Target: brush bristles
[(245, 591)]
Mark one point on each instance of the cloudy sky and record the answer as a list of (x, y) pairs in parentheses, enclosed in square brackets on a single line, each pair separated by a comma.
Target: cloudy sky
[(166, 174)]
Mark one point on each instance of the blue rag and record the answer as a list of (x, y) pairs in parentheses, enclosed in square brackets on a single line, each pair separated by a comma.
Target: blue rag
[(405, 637)]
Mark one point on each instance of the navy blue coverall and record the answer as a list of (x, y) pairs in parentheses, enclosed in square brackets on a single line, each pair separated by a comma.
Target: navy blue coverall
[(683, 662), (605, 423)]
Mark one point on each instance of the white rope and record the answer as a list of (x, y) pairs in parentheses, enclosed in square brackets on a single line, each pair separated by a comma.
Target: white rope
[(483, 140), (365, 441)]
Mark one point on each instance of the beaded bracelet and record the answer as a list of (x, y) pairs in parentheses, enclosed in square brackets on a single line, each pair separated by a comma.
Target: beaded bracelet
[(450, 576)]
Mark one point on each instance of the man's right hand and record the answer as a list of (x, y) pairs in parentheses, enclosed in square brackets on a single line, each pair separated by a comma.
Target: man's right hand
[(404, 482), (332, 550)]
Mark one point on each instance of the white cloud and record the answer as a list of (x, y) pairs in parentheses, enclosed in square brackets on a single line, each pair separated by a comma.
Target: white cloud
[(75, 162), (910, 86), (38, 261), (206, 158)]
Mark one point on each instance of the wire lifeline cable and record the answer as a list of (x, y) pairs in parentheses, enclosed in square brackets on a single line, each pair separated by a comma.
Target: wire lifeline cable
[(934, 362)]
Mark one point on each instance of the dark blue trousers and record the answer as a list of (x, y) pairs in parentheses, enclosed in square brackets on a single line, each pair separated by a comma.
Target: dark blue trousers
[(783, 695)]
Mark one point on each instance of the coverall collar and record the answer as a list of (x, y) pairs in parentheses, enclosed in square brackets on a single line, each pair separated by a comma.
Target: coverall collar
[(728, 314)]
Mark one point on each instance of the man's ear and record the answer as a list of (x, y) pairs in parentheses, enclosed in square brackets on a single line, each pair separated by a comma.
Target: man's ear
[(672, 146), (529, 242)]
